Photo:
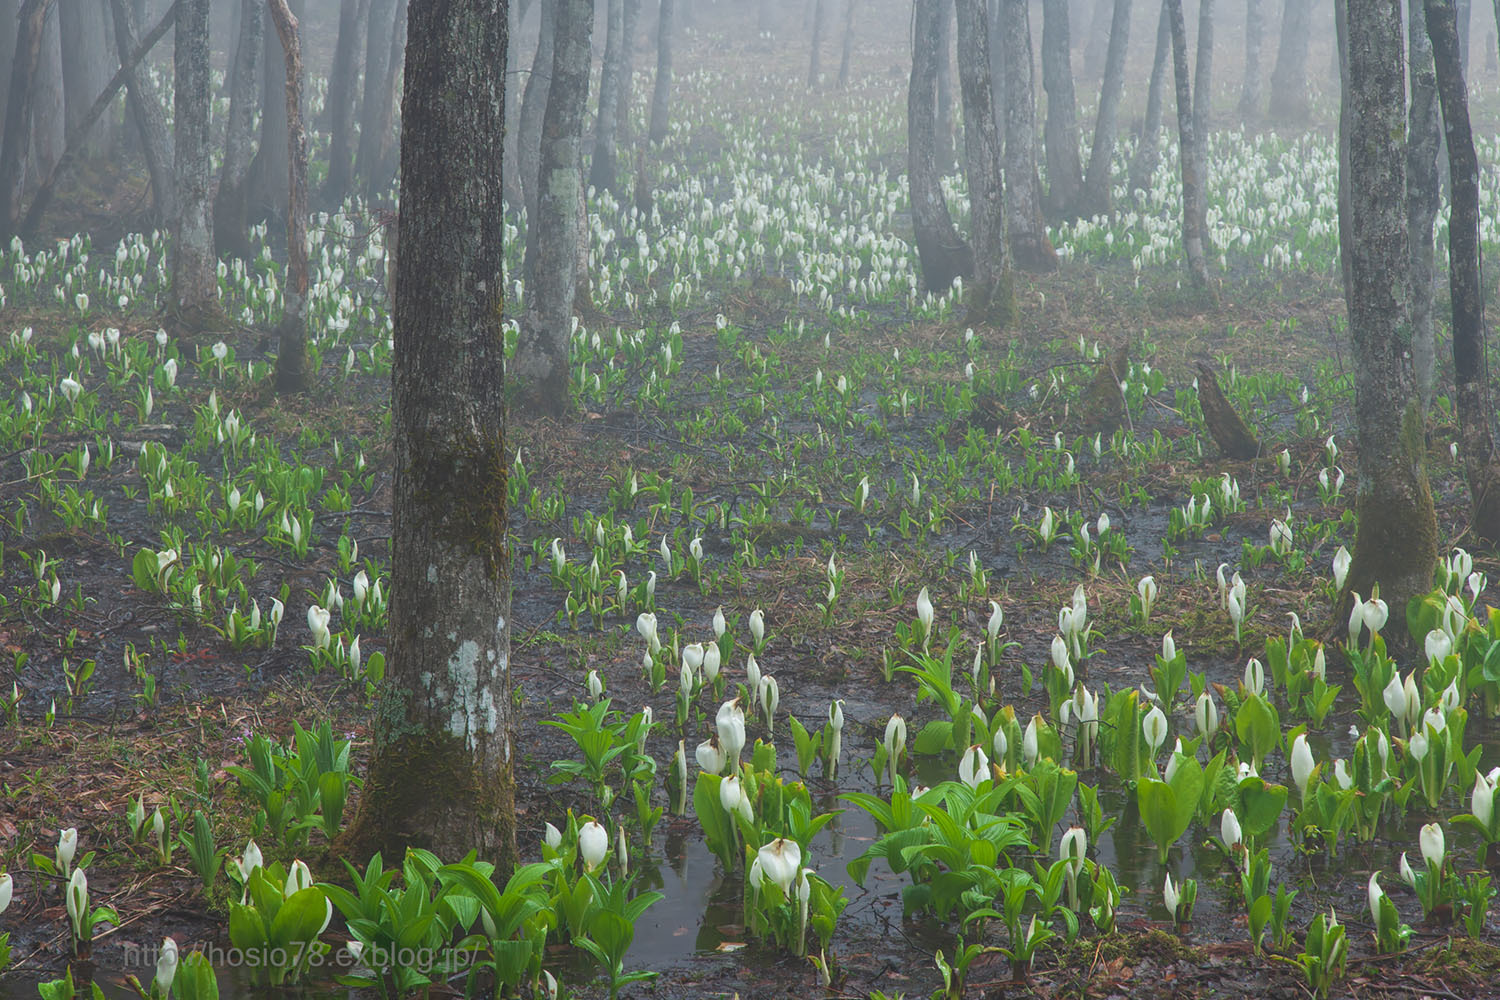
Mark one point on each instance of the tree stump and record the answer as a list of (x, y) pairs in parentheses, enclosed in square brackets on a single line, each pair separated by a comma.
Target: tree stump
[(1228, 429), (1103, 406)]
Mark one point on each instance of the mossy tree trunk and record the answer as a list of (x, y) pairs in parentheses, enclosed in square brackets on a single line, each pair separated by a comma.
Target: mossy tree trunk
[(1147, 155), (991, 296), (1194, 202), (1095, 197), (941, 251), (1029, 246), (1396, 542), (1470, 363), (1423, 196), (440, 777), (195, 279), (552, 245), (231, 209), (291, 351), (1060, 133)]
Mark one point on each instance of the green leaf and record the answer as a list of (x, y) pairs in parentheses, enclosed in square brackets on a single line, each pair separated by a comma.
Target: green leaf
[(300, 918)]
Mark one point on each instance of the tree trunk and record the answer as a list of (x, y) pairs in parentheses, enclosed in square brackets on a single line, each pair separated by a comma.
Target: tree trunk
[(510, 171), (1396, 542), (445, 706), (1289, 97), (1465, 288), (941, 251), (1422, 197), (1464, 16), (602, 170), (15, 148), (997, 68), (1147, 152), (88, 63), (1255, 30), (267, 192), (848, 48), (946, 147), (231, 201), (291, 357), (151, 122), (9, 23), (1029, 246), (195, 280), (1203, 72), (552, 244), (1095, 197), (1346, 237), (49, 109), (991, 298), (661, 94), (815, 61), (534, 106), (377, 83), (1060, 134), (387, 157), (1194, 208), (624, 122), (343, 83)]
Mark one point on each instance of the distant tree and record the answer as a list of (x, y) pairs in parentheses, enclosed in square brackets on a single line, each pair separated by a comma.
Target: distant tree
[(1194, 202), (534, 104), (1475, 406), (1289, 97), (343, 84), (383, 163), (661, 92), (147, 109), (1147, 152), (815, 60), (440, 775), (941, 251), (88, 62), (847, 52), (9, 24), (602, 169), (195, 278), (380, 32), (291, 356), (1395, 544), (1255, 30), (514, 197), (1423, 196), (49, 116), (16, 143), (1203, 72), (1060, 133), (266, 181), (1095, 198), (991, 295), (1030, 248), (231, 209), (943, 131), (624, 123), (552, 271)]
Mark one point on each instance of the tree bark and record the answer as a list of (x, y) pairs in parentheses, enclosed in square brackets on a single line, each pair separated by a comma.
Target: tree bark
[(291, 356), (603, 173), (1194, 207), (147, 109), (267, 177), (534, 106), (1147, 152), (661, 93), (1289, 98), (387, 158), (15, 148), (1255, 30), (88, 63), (997, 68), (1029, 246), (231, 201), (815, 60), (1203, 72), (510, 172), (440, 777), (9, 24), (848, 46), (1060, 134), (1396, 542), (1465, 287), (49, 109), (946, 146), (991, 298), (1422, 197), (1095, 199), (343, 83), (941, 251), (552, 245), (378, 82), (624, 121), (195, 280)]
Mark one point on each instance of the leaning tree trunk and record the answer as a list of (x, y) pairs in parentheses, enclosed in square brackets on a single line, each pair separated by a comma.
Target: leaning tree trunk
[(1289, 98), (534, 108), (624, 121), (1194, 209), (343, 82), (231, 201), (445, 705), (1096, 194), (1060, 133), (1203, 72), (291, 357), (815, 60), (16, 145), (1465, 289), (87, 63), (1147, 152), (147, 109), (195, 281), (381, 28), (552, 244), (942, 253), (602, 170), (1029, 246), (847, 53), (661, 93), (1255, 30), (992, 294), (1396, 542), (1422, 197)]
